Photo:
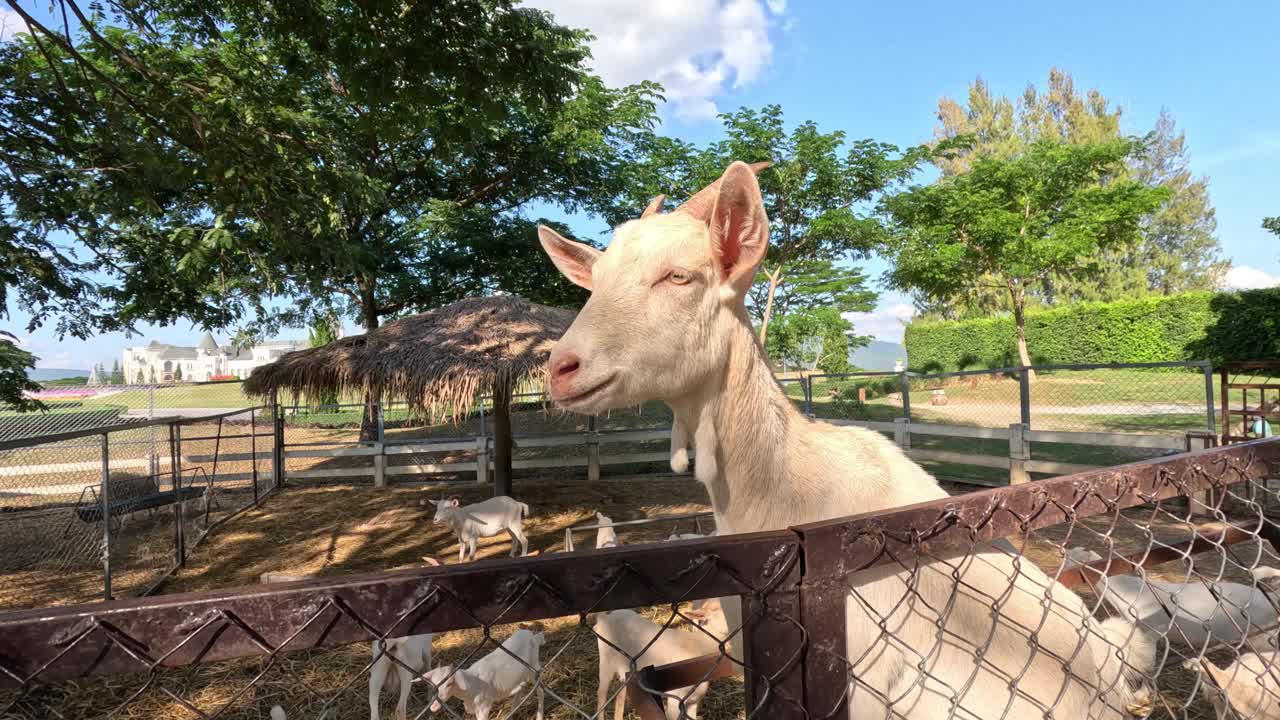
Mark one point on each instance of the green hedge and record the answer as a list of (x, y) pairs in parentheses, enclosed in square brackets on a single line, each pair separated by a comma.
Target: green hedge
[(1193, 326)]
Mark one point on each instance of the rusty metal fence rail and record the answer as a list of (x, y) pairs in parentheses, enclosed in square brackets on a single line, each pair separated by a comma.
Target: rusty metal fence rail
[(804, 635)]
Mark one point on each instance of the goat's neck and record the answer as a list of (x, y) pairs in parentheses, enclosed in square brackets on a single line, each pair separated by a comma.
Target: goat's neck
[(752, 421)]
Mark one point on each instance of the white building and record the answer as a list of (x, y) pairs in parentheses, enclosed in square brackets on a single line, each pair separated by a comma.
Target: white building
[(161, 362)]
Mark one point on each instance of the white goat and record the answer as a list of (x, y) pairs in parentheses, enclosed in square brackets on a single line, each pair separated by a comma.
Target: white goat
[(483, 519), (493, 678), (1193, 614), (1250, 686), (666, 321), (412, 654), (629, 640), (605, 535)]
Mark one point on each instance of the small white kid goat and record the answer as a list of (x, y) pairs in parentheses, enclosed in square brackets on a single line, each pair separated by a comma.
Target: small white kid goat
[(1250, 686), (481, 520), (624, 635), (605, 535), (1202, 617), (493, 678), (666, 321)]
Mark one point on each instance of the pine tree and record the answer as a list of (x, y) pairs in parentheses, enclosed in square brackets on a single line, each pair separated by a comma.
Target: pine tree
[(1181, 251), (117, 375), (141, 379)]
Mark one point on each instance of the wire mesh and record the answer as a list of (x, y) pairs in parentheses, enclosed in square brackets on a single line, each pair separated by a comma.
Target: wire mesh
[(1136, 591), (107, 511)]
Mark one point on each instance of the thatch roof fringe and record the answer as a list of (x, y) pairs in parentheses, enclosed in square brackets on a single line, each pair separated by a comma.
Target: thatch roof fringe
[(437, 361)]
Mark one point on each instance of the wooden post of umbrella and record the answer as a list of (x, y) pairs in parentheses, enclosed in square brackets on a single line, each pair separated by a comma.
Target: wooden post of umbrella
[(502, 436)]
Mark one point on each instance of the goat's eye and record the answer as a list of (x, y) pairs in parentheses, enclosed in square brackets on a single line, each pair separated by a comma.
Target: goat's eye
[(679, 277)]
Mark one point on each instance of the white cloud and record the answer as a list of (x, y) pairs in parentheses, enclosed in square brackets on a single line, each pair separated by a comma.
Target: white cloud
[(1243, 277), (10, 24), (884, 323), (695, 48)]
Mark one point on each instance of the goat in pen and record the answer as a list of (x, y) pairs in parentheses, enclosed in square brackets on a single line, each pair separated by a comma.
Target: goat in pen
[(984, 636)]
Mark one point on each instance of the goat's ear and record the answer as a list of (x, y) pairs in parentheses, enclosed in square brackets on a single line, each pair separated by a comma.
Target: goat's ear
[(454, 501), (739, 228), (573, 259), (430, 560)]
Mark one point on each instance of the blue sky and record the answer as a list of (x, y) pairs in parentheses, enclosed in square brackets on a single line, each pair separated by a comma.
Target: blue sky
[(877, 69)]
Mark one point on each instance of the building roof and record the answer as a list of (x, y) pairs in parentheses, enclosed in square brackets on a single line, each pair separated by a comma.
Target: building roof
[(207, 343)]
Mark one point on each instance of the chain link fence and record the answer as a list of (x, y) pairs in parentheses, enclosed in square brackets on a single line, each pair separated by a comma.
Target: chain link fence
[(1141, 591), (110, 511)]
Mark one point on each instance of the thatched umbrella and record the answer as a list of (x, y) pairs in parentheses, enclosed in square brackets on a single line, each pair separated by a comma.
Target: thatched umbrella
[(438, 361)]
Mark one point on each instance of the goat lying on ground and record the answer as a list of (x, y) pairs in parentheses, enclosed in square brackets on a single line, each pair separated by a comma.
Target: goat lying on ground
[(1249, 686), (605, 535), (627, 640), (989, 637), (493, 678), (1191, 614), (481, 520)]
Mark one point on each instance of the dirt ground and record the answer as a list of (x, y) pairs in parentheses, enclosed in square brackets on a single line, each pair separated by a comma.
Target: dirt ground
[(337, 530)]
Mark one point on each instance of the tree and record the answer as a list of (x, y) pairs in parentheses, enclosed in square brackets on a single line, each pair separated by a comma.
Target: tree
[(177, 372), (1014, 221), (1272, 224), (324, 330), (141, 379), (1177, 250), (14, 383), (247, 161), (117, 375), (810, 192), (813, 339), (151, 377)]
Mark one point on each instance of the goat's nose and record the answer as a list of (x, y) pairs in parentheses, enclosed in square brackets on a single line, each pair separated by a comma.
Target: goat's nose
[(564, 366)]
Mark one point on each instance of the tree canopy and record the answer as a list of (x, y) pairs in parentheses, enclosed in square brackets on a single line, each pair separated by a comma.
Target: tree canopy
[(252, 159), (1177, 249), (1010, 222), (812, 193)]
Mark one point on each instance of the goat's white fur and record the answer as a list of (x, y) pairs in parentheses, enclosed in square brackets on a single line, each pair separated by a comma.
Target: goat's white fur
[(643, 335), (1202, 617), (679, 446), (494, 677), (628, 641), (483, 519), (277, 713), (1250, 686), (606, 536), (414, 651)]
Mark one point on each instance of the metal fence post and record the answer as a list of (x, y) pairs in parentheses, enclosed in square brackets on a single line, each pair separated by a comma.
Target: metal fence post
[(106, 518), (772, 650), (808, 394), (179, 514), (253, 451), (593, 450), (1019, 454), (1211, 422), (1024, 395), (277, 431), (904, 388)]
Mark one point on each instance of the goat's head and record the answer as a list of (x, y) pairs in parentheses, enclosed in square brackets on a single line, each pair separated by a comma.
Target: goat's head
[(447, 681), (444, 508), (664, 296)]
